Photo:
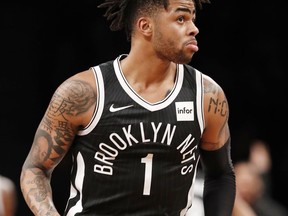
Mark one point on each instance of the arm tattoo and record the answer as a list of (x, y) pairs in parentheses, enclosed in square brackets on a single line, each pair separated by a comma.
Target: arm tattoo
[(45, 155), (71, 99), (40, 153), (81, 97), (40, 192), (216, 105)]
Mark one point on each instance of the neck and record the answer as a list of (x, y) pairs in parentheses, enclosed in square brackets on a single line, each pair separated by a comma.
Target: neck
[(148, 75), (142, 64)]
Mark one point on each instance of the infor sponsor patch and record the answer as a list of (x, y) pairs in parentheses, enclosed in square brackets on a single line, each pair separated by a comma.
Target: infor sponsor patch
[(185, 111)]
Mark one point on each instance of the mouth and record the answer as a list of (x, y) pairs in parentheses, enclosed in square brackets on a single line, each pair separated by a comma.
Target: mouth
[(193, 41), (192, 44)]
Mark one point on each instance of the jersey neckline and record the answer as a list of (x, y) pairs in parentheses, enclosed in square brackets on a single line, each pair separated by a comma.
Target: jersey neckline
[(141, 101)]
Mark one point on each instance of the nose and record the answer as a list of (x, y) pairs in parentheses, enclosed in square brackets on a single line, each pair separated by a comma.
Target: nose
[(193, 30)]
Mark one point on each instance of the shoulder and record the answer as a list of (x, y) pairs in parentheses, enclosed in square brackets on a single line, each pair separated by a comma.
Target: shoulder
[(216, 113), (75, 98), (211, 88), (78, 89), (82, 82), (83, 76), (215, 101)]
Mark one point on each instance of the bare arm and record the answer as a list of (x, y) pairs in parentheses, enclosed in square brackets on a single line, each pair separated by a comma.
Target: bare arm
[(219, 184), (69, 110), (216, 111)]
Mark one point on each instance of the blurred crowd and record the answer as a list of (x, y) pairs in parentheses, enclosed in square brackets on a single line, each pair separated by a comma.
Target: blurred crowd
[(253, 183), (8, 197)]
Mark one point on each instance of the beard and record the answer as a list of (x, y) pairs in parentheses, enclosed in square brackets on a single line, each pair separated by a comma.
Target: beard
[(167, 49)]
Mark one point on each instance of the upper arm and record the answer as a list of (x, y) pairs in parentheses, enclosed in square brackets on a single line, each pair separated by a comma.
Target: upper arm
[(70, 109), (216, 113)]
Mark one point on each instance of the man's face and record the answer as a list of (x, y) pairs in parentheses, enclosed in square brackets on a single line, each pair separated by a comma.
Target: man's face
[(174, 31)]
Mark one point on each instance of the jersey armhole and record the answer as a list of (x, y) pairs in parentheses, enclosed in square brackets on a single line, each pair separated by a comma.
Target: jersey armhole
[(200, 99), (100, 94)]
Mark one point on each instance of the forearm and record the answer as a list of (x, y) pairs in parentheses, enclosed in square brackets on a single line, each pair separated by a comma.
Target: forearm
[(219, 184), (36, 189), (219, 195)]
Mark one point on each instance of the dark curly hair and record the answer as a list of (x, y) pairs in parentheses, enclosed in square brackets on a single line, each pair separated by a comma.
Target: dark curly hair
[(122, 13)]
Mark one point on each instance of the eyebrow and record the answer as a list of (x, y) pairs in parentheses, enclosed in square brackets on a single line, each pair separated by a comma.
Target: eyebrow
[(180, 9)]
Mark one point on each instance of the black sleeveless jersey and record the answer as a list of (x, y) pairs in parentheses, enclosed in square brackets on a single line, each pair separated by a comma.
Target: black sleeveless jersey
[(137, 158)]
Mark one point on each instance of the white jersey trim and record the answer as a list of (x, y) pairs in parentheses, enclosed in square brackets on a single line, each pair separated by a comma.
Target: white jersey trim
[(200, 99), (191, 192), (99, 102), (141, 101), (79, 185), (138, 99)]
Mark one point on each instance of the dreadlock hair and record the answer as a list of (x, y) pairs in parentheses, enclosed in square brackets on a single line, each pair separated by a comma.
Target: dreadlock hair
[(123, 13)]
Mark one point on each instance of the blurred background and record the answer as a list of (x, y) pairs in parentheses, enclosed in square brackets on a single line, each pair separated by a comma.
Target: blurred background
[(243, 46)]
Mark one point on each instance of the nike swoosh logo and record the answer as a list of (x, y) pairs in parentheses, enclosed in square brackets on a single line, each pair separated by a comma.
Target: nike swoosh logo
[(116, 109)]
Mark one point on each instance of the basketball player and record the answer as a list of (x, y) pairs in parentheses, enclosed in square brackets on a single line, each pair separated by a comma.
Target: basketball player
[(137, 126)]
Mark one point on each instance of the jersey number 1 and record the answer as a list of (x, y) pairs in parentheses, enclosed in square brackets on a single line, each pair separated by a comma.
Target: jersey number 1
[(148, 173)]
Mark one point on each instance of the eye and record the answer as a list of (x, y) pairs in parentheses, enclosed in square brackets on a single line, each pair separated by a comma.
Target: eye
[(181, 19)]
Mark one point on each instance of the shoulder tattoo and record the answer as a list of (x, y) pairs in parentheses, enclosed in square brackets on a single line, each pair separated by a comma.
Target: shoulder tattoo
[(217, 103), (71, 99)]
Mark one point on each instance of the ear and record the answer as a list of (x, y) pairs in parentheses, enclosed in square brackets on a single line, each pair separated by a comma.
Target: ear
[(144, 25)]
